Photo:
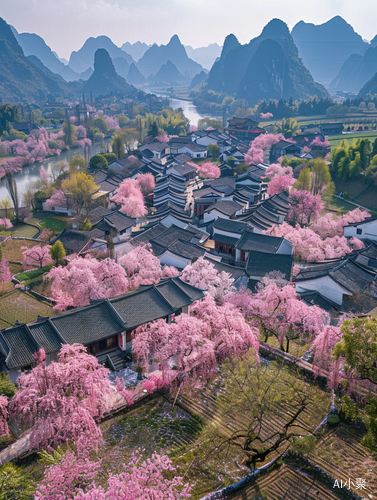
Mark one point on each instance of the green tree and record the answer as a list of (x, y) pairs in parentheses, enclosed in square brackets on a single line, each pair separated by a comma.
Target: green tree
[(153, 130), (77, 162), (358, 349), (100, 124), (15, 484), (7, 387), (304, 180), (98, 161), (262, 392), (57, 252), (289, 127), (110, 157), (214, 150), (118, 146), (81, 188), (130, 138)]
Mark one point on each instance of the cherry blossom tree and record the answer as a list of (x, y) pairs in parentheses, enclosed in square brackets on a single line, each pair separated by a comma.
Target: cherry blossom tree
[(64, 400), (208, 170), (4, 429), (277, 310), (307, 206), (323, 144), (57, 199), (6, 223), (162, 138), (146, 182), (5, 274), (144, 268), (202, 274), (322, 347), (277, 170), (309, 246), (189, 350), (280, 184), (37, 256), (266, 116), (259, 145), (64, 480), (43, 175), (84, 279), (131, 199), (79, 478)]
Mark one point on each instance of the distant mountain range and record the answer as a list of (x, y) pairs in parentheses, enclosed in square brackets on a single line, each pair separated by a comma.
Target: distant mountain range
[(325, 47), (168, 74), (136, 50), (20, 78), (82, 59), (356, 71), (205, 56), (268, 67), (105, 79), (174, 52)]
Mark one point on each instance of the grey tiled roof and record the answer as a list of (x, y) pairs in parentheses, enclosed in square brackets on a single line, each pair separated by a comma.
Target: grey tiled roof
[(19, 346), (46, 336), (149, 234), (223, 238), (259, 242), (176, 297), (87, 324), (234, 271), (185, 249), (233, 226), (193, 292), (225, 207), (260, 264), (142, 306), (353, 277)]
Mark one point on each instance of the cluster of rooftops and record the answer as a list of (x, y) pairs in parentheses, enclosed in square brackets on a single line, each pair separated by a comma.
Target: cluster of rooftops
[(222, 220)]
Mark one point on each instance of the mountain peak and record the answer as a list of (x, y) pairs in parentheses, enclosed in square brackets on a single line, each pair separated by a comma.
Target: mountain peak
[(174, 40), (103, 62), (275, 27)]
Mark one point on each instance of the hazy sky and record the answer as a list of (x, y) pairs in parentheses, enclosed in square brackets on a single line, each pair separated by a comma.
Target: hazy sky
[(66, 24)]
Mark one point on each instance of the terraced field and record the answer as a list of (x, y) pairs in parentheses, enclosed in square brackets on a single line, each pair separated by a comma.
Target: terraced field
[(341, 455), (283, 483)]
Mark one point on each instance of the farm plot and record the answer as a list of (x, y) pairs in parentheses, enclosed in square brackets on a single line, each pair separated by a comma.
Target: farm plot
[(22, 306)]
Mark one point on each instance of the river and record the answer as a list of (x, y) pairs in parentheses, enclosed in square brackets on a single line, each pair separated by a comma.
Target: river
[(30, 174), (190, 111)]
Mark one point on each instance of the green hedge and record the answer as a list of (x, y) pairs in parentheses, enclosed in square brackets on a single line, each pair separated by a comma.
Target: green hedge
[(33, 273)]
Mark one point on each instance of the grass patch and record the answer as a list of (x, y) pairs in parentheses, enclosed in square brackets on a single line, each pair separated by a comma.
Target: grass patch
[(28, 275), (42, 287), (340, 205), (12, 249), (54, 224), (22, 306), (23, 231), (335, 140)]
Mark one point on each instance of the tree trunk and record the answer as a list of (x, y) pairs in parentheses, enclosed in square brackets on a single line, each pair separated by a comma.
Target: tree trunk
[(287, 350)]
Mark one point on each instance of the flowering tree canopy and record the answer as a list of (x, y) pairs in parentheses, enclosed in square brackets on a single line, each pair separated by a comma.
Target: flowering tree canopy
[(259, 145), (277, 310), (143, 268), (202, 274), (208, 170), (194, 345), (307, 206), (130, 197), (84, 279), (37, 256), (146, 182), (57, 199), (63, 400)]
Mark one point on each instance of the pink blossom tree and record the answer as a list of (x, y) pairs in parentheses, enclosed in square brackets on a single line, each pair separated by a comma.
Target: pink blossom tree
[(323, 144), (266, 116), (144, 268), (43, 175), (64, 400), (189, 350), (323, 346), (146, 183), (140, 479), (57, 199), (4, 429), (277, 310), (131, 199), (37, 256), (202, 274), (208, 170), (6, 224), (84, 279), (259, 145), (307, 206), (5, 274), (280, 184), (277, 170)]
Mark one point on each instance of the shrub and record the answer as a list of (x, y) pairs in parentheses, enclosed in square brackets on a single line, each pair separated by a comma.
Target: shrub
[(333, 420), (7, 387), (28, 275)]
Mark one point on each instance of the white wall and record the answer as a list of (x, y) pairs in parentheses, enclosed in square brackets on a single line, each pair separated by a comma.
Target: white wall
[(285, 248), (171, 259), (325, 286), (369, 231)]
